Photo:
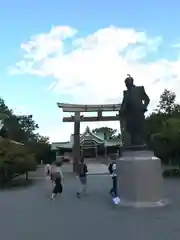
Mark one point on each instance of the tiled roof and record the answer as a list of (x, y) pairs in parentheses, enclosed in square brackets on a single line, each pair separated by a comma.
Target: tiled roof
[(87, 135)]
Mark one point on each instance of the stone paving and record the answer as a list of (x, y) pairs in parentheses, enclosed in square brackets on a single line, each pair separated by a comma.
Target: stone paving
[(29, 214)]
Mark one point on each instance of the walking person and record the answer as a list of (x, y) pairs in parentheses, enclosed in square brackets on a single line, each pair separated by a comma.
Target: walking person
[(48, 171), (112, 171), (82, 176), (57, 177)]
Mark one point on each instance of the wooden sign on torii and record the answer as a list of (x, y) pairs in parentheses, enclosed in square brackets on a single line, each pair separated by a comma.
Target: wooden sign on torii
[(77, 109)]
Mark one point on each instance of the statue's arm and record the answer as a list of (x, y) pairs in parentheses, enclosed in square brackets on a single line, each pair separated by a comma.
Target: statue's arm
[(145, 98)]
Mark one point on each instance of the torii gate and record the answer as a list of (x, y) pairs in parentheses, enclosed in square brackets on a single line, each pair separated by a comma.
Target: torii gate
[(77, 118)]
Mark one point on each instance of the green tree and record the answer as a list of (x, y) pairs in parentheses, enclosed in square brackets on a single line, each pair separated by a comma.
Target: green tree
[(27, 124), (166, 109), (163, 128), (108, 133), (166, 142), (22, 129), (14, 130), (42, 149), (167, 102), (5, 112)]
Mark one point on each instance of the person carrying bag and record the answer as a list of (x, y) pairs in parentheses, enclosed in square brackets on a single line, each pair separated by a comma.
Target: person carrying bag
[(57, 177)]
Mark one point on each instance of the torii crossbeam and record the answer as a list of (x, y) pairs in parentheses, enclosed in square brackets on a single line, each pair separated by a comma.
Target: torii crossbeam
[(77, 118)]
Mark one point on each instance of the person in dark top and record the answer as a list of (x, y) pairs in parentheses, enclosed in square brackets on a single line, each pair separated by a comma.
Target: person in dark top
[(57, 177), (82, 176), (112, 171)]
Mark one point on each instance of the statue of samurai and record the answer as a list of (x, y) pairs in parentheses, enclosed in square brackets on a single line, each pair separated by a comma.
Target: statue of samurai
[(133, 107)]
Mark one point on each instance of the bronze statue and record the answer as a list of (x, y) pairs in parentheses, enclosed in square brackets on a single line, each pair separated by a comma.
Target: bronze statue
[(133, 107)]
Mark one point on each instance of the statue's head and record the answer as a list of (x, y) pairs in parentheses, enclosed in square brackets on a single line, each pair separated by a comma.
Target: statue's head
[(129, 82)]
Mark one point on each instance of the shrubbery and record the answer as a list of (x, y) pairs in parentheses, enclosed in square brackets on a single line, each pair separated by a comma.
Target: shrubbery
[(14, 160)]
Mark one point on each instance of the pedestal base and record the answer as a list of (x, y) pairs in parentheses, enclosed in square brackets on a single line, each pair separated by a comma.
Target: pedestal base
[(140, 181)]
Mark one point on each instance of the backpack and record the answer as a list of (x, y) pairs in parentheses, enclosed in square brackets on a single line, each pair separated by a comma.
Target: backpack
[(82, 169)]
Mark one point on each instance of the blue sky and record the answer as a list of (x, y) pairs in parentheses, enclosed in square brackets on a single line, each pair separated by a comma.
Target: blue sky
[(20, 20)]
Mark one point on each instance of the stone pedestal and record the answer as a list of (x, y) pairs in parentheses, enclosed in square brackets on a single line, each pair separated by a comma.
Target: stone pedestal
[(140, 181)]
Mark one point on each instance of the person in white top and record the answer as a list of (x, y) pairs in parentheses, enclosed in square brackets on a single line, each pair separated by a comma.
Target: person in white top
[(48, 170)]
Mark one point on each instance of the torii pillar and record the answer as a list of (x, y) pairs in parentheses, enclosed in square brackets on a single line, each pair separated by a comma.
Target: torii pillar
[(76, 140)]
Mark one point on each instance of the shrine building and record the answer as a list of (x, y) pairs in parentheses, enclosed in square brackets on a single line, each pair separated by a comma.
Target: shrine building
[(91, 145)]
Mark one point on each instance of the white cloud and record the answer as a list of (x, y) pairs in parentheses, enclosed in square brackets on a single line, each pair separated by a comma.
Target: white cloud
[(176, 45), (92, 68), (21, 110)]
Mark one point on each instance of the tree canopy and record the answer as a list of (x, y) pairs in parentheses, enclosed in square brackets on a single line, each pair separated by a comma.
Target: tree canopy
[(163, 128), (21, 147), (108, 133)]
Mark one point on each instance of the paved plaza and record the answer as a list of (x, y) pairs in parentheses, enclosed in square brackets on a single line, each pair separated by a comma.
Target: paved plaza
[(29, 214), (93, 168)]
